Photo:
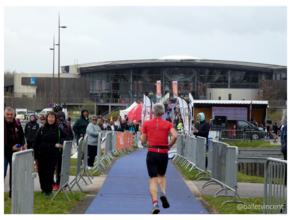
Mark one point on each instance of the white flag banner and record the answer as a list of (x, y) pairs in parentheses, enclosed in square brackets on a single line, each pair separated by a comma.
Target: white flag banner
[(184, 110), (146, 108)]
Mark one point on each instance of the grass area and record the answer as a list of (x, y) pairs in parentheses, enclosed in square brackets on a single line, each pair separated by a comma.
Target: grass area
[(113, 114), (43, 205), (233, 208), (258, 144)]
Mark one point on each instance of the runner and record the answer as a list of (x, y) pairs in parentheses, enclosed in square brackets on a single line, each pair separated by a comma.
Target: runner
[(156, 130)]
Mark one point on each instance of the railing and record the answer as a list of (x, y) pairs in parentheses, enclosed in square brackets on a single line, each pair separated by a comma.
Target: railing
[(275, 191)]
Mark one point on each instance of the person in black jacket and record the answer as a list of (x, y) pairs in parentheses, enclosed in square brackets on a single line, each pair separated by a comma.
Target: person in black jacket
[(47, 142), (13, 135), (81, 125), (64, 125), (124, 126), (201, 127), (30, 130)]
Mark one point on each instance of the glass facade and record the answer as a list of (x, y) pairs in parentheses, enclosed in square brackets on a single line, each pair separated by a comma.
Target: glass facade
[(132, 83)]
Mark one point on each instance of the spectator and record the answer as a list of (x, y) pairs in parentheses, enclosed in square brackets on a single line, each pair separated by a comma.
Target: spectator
[(135, 126), (124, 126), (64, 125), (30, 130), (177, 117), (47, 142), (284, 147), (201, 127), (112, 125), (13, 135), (179, 126), (275, 128), (138, 125), (105, 125), (267, 130), (117, 124), (92, 131), (281, 126), (81, 125), (100, 123), (131, 127)]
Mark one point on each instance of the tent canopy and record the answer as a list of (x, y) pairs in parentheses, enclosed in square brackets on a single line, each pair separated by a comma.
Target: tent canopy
[(126, 111)]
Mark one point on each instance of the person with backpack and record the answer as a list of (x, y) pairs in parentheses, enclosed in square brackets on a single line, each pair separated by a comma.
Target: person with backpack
[(284, 148), (81, 125), (92, 131), (64, 125), (30, 130), (13, 140), (47, 142)]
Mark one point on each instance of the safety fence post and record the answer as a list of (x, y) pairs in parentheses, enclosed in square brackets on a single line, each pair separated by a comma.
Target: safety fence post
[(22, 197), (65, 168)]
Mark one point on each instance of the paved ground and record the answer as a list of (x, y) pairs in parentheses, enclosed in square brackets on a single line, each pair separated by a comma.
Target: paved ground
[(126, 190)]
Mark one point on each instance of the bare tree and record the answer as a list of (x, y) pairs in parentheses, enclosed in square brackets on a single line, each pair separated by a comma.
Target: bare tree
[(9, 74), (267, 92)]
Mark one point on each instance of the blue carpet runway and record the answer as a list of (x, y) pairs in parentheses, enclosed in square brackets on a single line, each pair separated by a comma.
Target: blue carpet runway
[(126, 190)]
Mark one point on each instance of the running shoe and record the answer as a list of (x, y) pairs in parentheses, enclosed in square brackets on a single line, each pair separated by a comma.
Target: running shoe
[(43, 193), (155, 209), (49, 194), (90, 168), (55, 187), (165, 203)]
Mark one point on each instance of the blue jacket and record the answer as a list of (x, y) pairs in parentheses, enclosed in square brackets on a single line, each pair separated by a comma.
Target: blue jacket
[(284, 138)]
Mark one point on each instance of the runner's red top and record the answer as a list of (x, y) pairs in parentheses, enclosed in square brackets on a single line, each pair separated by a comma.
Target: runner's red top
[(157, 133)]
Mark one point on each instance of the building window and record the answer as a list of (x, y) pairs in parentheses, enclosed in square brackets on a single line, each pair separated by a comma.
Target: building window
[(219, 98), (230, 96)]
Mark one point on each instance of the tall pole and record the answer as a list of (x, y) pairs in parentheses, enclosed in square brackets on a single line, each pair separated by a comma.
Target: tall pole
[(58, 90), (53, 74)]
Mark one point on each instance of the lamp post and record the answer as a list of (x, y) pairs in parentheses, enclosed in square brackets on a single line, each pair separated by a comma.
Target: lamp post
[(52, 100), (59, 27)]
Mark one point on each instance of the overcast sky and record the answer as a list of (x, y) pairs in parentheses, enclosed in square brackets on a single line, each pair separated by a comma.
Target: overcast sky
[(96, 34)]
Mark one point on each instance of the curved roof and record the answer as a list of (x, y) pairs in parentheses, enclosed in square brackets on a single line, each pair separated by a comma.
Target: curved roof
[(172, 61)]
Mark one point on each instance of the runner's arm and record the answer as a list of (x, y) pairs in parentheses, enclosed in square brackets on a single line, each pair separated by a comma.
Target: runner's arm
[(174, 137), (144, 138)]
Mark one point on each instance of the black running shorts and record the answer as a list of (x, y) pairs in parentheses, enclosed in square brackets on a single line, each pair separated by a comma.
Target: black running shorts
[(156, 163)]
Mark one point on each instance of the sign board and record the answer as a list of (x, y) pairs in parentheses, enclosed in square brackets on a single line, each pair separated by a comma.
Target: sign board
[(32, 80)]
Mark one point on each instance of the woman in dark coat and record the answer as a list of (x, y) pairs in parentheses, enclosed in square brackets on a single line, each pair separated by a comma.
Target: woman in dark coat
[(81, 125), (202, 126), (47, 142)]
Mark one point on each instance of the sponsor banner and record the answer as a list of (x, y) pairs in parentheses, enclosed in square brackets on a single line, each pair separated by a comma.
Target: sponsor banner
[(191, 87), (124, 140), (98, 86), (103, 143), (103, 86), (184, 110), (146, 109), (158, 89), (174, 89)]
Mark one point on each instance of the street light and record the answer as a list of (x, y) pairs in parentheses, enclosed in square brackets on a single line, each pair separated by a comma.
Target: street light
[(59, 27), (53, 73)]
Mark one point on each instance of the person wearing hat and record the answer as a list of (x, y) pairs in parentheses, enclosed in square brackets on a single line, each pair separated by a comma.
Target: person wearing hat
[(81, 125), (30, 130), (201, 127)]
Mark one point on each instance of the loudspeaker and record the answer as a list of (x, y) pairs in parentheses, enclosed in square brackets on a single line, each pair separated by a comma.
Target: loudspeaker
[(218, 120)]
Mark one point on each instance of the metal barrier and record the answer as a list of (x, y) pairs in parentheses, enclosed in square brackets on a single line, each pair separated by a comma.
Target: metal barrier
[(201, 157), (65, 168), (79, 175), (224, 168), (22, 200), (275, 191), (99, 155)]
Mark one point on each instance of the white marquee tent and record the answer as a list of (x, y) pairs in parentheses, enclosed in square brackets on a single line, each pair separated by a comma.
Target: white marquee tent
[(126, 111)]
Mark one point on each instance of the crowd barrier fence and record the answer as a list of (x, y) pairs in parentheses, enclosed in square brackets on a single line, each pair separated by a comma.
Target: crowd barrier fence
[(275, 191), (22, 198), (65, 169)]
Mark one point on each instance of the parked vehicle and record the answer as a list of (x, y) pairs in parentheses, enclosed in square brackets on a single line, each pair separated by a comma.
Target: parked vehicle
[(238, 129), (44, 112), (21, 113)]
